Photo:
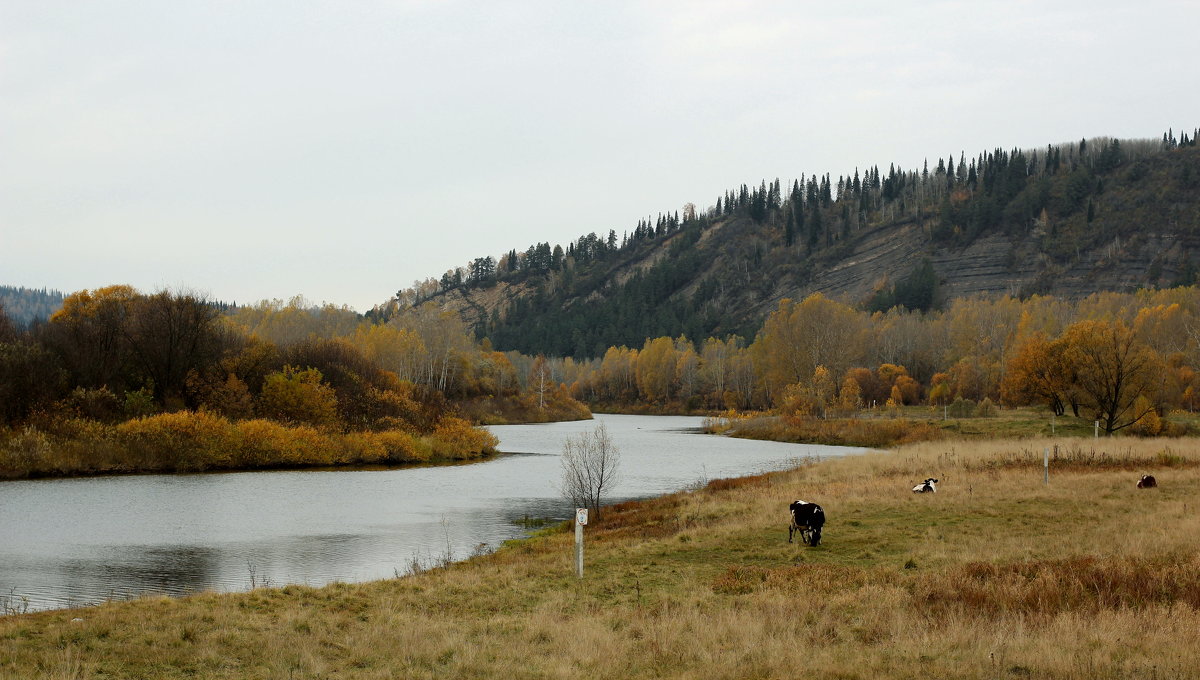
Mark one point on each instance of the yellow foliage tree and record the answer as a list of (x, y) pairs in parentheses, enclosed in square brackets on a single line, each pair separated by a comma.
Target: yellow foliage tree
[(395, 349), (298, 396), (851, 395), (1111, 369), (656, 369), (1038, 372), (797, 338)]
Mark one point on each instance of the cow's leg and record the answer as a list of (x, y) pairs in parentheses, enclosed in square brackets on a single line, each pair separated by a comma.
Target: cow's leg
[(790, 530)]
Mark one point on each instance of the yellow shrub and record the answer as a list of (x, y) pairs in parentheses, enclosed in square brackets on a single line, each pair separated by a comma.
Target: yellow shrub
[(268, 444), (403, 447), (363, 448), (27, 450), (184, 440), (456, 438)]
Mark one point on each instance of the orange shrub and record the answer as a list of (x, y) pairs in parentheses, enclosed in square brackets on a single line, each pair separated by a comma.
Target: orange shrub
[(403, 447), (185, 441), (362, 447), (268, 444), (456, 438)]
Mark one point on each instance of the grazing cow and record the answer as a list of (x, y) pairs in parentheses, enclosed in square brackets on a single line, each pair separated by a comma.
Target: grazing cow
[(926, 486), (1147, 482), (807, 518)]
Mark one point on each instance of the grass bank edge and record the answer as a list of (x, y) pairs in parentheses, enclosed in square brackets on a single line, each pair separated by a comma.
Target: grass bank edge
[(199, 441)]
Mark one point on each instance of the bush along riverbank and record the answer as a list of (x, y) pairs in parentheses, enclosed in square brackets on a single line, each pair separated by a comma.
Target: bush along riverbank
[(196, 441), (995, 575)]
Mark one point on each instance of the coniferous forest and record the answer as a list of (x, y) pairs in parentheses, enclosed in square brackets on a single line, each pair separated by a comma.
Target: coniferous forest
[(1049, 216)]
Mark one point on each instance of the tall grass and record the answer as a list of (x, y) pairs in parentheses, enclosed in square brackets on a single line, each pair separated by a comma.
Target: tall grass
[(874, 433), (189, 441)]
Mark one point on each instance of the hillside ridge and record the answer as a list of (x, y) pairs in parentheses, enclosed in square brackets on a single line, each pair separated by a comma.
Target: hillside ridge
[(1068, 221)]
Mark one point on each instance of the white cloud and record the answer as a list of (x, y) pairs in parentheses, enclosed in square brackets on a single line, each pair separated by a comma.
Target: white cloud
[(342, 150)]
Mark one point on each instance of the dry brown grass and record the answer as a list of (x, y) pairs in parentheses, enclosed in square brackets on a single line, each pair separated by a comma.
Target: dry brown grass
[(196, 441), (871, 432), (995, 576)]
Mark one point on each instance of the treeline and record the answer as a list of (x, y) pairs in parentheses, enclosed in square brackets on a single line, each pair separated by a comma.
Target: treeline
[(1063, 194), (25, 306), (152, 373), (1123, 359), (425, 346)]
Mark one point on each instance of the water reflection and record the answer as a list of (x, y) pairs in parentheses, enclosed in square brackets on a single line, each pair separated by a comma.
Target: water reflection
[(81, 541)]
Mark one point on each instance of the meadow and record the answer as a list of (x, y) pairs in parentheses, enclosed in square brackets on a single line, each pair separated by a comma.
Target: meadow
[(893, 426), (997, 575)]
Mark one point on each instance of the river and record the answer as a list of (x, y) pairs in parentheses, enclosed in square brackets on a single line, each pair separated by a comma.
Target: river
[(72, 542)]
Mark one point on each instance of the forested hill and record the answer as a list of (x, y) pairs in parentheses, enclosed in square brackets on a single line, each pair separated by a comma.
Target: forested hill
[(27, 305), (1068, 220)]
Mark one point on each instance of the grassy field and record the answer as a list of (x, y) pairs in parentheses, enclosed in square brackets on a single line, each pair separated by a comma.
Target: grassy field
[(994, 576), (890, 427)]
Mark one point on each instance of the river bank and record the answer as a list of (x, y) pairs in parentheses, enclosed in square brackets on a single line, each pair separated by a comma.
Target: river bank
[(85, 540), (198, 441), (994, 575), (896, 426)]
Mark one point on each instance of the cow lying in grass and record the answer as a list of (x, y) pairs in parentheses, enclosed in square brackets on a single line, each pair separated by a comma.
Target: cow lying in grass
[(807, 518), (1147, 482), (926, 486)]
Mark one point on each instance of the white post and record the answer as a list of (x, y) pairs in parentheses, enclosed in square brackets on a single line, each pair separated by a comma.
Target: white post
[(1046, 466), (580, 520), (1097, 435)]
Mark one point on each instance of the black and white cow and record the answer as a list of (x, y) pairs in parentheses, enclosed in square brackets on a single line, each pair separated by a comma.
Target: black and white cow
[(1147, 482), (926, 486), (807, 518)]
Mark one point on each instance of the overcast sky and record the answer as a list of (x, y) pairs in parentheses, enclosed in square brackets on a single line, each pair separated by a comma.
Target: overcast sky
[(342, 150)]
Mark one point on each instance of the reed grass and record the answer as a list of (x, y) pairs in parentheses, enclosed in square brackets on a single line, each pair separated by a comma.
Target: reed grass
[(896, 426), (997, 575), (195, 441), (874, 433)]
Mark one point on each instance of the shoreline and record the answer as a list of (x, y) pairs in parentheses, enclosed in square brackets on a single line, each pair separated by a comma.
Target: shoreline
[(533, 525), (349, 467)]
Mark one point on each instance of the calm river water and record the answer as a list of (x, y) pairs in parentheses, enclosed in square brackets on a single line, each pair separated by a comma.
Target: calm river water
[(73, 542)]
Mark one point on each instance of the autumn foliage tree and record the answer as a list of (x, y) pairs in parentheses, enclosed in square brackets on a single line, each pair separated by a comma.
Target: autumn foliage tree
[(298, 396), (797, 338), (1038, 372), (656, 369), (1111, 370)]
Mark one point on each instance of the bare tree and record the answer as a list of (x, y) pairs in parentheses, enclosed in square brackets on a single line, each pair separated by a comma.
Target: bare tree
[(539, 379), (589, 468)]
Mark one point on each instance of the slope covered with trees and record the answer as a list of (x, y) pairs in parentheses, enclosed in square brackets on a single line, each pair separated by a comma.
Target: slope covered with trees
[(1067, 219), (24, 306)]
